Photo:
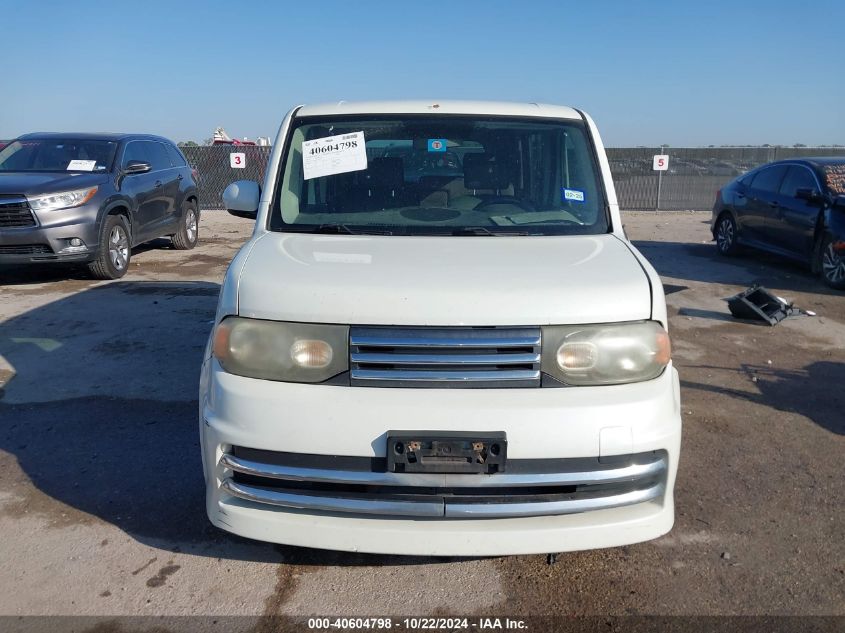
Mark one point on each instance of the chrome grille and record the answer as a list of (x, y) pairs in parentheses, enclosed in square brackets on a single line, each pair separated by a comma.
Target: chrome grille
[(15, 212), (444, 357), (530, 487)]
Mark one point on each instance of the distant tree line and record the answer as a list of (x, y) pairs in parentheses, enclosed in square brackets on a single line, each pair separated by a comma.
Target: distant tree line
[(768, 145), (666, 146), (208, 141)]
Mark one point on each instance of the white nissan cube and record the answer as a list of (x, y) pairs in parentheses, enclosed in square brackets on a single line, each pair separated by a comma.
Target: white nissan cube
[(439, 341)]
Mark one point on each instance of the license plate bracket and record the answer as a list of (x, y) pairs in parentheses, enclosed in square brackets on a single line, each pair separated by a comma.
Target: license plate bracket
[(446, 452)]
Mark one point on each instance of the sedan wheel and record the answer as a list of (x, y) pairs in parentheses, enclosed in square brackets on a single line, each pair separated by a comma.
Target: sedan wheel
[(726, 235), (833, 266)]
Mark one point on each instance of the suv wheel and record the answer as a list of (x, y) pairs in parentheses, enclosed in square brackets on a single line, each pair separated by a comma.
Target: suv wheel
[(115, 249), (726, 235), (188, 233), (832, 265)]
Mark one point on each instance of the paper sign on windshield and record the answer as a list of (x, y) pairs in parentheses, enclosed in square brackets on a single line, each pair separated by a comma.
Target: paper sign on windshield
[(334, 155), (81, 165)]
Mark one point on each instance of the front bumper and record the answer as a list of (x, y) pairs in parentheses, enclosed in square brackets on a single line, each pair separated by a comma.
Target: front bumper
[(48, 240), (354, 508)]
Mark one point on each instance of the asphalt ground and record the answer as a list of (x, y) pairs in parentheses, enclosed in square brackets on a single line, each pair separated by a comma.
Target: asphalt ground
[(101, 490)]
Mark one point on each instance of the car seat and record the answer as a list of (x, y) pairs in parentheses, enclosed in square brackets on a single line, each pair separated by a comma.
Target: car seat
[(485, 177)]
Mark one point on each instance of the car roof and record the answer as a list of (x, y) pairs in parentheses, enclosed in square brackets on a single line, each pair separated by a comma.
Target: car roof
[(93, 136), (813, 161), (501, 108), (825, 160)]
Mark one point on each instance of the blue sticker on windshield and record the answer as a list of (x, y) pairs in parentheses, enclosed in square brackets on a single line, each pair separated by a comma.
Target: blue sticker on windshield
[(437, 145), (573, 195)]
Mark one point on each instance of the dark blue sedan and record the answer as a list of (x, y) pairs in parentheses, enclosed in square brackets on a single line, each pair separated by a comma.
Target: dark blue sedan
[(794, 208)]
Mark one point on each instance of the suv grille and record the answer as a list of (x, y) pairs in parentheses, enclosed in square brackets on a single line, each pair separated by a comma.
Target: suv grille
[(444, 357), (15, 212), (26, 249)]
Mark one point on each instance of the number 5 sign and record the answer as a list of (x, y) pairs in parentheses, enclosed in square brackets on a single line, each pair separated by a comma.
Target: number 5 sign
[(661, 162), (237, 160)]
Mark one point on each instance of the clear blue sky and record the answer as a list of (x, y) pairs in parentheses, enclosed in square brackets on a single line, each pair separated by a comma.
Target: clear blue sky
[(675, 72)]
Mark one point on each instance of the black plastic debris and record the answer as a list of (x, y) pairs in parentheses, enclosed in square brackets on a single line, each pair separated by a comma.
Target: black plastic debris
[(759, 304), (671, 288)]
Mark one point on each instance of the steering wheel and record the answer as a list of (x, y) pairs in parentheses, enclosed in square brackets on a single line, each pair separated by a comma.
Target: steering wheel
[(511, 200)]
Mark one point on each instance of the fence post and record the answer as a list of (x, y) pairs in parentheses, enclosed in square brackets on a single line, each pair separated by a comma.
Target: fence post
[(659, 187), (659, 182)]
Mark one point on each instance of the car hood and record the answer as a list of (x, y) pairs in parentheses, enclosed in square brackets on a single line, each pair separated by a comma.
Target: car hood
[(33, 183), (396, 280)]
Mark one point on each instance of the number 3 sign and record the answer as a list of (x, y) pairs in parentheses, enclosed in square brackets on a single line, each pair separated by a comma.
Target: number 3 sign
[(237, 160), (661, 162)]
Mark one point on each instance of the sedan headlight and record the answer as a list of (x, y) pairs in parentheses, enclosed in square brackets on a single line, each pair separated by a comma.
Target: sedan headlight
[(277, 350), (63, 200), (607, 354)]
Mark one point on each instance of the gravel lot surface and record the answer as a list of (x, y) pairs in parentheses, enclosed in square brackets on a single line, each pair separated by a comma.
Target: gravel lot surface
[(101, 492)]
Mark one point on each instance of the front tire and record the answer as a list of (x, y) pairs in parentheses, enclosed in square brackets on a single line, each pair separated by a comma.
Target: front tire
[(726, 234), (831, 264), (115, 249), (188, 235)]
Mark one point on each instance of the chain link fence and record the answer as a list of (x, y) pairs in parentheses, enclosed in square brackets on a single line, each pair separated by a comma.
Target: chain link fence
[(694, 174), (213, 164), (690, 183)]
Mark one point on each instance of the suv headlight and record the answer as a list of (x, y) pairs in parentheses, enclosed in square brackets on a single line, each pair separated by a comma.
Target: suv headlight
[(606, 354), (277, 350), (63, 200)]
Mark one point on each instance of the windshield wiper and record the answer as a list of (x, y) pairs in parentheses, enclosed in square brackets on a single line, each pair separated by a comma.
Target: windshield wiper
[(332, 228), (344, 229), (480, 230)]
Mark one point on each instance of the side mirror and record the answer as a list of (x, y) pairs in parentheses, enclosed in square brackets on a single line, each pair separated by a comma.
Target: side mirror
[(241, 198), (136, 167), (810, 195)]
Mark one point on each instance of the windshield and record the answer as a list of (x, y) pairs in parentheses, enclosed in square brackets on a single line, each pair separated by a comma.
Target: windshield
[(57, 155), (439, 175)]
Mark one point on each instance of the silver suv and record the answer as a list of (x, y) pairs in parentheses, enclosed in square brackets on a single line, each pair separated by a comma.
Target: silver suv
[(90, 198)]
